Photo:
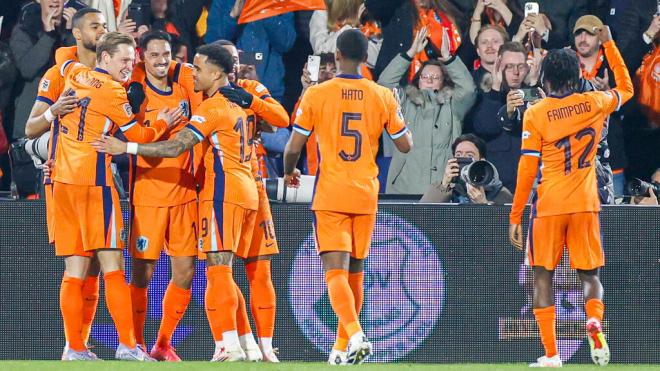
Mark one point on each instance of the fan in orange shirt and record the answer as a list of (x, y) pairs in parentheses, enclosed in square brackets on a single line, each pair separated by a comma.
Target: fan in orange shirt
[(348, 115), (228, 198), (261, 110), (562, 133), (51, 103), (163, 196), (86, 204)]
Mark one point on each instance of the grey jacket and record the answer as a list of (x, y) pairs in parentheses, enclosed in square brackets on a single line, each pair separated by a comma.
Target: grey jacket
[(435, 120)]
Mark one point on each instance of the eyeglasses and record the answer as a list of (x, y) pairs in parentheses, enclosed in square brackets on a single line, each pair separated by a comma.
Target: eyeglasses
[(517, 67), (429, 76)]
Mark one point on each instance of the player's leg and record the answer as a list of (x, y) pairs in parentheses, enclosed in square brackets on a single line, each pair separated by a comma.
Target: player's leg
[(103, 238), (586, 253), (90, 292), (547, 236), (356, 281), (142, 271), (64, 208), (182, 248), (220, 224)]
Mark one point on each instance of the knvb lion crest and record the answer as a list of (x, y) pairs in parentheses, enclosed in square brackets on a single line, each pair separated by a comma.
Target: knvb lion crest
[(404, 291)]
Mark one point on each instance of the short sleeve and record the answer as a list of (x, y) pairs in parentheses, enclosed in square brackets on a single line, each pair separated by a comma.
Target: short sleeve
[(395, 125), (201, 123), (120, 111), (304, 123), (531, 137), (50, 86)]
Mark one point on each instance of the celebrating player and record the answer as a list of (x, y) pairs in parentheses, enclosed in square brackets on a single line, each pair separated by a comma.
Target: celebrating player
[(86, 204), (561, 132), (228, 198), (163, 196), (348, 115), (88, 27)]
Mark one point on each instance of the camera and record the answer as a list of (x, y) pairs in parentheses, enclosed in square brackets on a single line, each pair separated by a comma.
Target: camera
[(37, 148), (479, 173), (278, 191), (640, 188)]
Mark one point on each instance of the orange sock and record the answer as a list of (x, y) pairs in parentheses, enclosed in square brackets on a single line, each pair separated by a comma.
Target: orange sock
[(216, 330), (545, 319), (139, 299), (90, 293), (594, 309), (242, 320), (223, 302), (71, 306), (262, 297), (118, 299), (342, 301), (356, 281), (175, 304)]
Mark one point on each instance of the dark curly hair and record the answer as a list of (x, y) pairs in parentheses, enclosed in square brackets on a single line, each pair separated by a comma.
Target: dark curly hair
[(561, 69), (218, 56)]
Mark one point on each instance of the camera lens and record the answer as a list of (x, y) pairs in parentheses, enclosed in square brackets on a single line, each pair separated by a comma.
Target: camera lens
[(481, 173)]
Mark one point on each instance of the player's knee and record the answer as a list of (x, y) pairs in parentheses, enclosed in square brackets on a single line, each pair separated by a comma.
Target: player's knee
[(183, 277), (589, 276)]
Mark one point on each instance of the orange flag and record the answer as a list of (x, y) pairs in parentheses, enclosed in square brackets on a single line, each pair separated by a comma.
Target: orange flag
[(254, 10)]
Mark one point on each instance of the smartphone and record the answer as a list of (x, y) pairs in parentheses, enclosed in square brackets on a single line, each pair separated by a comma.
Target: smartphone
[(253, 58), (313, 66), (138, 12), (531, 8), (530, 94)]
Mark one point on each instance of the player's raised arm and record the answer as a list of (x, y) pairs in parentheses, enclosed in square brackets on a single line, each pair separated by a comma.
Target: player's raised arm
[(624, 85), (263, 105)]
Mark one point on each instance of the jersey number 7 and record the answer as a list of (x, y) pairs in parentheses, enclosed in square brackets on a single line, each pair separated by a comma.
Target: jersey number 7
[(346, 118)]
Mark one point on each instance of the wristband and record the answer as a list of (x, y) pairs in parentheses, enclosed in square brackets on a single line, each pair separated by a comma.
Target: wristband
[(131, 148), (48, 115)]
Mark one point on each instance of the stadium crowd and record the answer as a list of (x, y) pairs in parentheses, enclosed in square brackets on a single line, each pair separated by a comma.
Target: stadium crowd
[(494, 48)]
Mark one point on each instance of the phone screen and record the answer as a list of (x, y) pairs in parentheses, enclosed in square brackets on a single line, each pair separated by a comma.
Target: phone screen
[(531, 8), (313, 66)]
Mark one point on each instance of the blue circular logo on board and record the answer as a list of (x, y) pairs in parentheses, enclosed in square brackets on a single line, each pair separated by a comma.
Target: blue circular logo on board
[(404, 291)]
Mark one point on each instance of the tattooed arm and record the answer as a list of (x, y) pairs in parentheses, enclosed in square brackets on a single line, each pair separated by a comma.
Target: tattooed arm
[(183, 141)]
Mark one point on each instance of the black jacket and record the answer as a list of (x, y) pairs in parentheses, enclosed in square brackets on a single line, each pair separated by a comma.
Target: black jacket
[(562, 15)]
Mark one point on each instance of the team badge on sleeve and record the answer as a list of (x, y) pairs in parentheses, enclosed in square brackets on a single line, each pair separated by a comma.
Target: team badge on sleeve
[(260, 88), (526, 134), (299, 112), (127, 109), (45, 84)]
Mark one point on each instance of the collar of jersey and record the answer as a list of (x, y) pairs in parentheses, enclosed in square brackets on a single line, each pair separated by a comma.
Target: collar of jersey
[(347, 76), (158, 91), (560, 96), (97, 69)]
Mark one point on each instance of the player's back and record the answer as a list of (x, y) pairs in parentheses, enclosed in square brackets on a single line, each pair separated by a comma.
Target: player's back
[(349, 116), (227, 155), (569, 128), (102, 102)]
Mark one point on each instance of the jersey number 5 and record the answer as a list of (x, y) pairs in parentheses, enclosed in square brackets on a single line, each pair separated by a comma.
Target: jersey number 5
[(566, 144), (346, 118)]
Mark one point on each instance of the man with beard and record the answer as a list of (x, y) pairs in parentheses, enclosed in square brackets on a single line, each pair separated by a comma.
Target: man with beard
[(163, 194), (88, 27), (611, 157)]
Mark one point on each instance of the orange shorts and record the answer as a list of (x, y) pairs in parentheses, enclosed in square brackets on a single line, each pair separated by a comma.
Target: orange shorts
[(88, 218), (335, 231), (50, 220), (263, 237), (578, 232), (224, 226), (172, 228)]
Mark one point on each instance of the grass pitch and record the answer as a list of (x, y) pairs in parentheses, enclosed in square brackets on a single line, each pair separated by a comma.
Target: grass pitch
[(286, 366)]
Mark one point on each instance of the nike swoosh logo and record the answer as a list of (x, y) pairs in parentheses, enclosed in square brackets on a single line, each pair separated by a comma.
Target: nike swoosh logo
[(178, 312), (149, 110), (270, 244)]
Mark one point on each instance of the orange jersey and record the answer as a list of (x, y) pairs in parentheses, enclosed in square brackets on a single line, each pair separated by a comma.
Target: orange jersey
[(348, 115), (164, 181), (563, 132), (103, 109), (227, 152)]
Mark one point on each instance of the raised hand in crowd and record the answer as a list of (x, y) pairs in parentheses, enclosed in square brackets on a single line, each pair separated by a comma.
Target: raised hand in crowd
[(601, 84), (67, 14), (127, 26), (498, 76), (445, 53), (501, 7), (419, 42), (654, 27), (306, 79), (50, 20), (534, 74), (514, 99)]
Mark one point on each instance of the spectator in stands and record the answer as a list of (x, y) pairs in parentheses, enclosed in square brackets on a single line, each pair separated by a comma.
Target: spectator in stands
[(114, 11), (41, 29), (271, 36), (179, 50), (178, 18), (562, 15), (595, 70), (653, 198), (534, 31), (434, 105), (498, 115), (638, 23), (452, 190), (488, 42), (504, 13)]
